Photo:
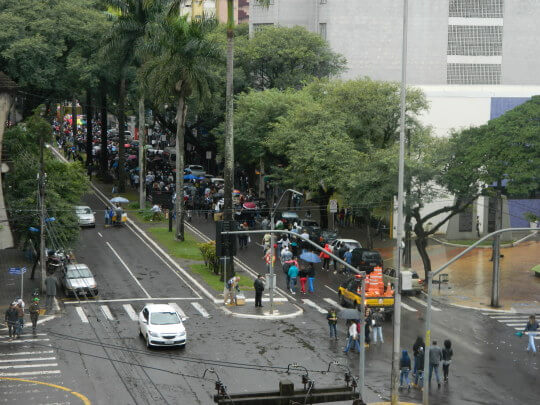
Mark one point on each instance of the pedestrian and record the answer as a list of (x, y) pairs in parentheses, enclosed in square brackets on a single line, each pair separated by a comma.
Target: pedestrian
[(286, 255), (243, 239), (293, 274), (447, 354), (11, 319), (331, 317), (106, 214), (405, 368), (269, 258), (419, 377), (347, 257), (416, 350), (50, 289), (532, 329), (435, 357), (353, 338), (311, 277), (326, 257), (378, 319), (231, 289), (267, 238), (258, 285), (34, 313), (367, 327), (302, 274), (286, 267), (20, 318)]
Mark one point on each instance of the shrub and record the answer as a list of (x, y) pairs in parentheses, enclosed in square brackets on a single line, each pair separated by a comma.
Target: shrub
[(208, 251), (148, 215)]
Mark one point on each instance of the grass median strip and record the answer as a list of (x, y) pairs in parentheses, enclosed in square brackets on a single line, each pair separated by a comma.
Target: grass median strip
[(187, 249), (246, 283)]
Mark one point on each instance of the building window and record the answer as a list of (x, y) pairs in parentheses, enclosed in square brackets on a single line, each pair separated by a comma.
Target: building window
[(473, 73), (322, 30), (475, 40), (476, 8)]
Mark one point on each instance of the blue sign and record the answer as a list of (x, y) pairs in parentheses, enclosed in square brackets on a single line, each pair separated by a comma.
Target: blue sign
[(51, 219), (17, 270), (32, 229)]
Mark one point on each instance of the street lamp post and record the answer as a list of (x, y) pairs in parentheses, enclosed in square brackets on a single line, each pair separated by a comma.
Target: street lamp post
[(430, 276), (272, 249)]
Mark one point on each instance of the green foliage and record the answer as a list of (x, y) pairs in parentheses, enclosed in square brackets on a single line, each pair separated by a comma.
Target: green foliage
[(66, 183), (279, 57), (148, 215), (208, 251)]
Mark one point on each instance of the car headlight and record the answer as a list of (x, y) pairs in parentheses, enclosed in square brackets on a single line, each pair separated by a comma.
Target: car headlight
[(154, 334), (182, 334)]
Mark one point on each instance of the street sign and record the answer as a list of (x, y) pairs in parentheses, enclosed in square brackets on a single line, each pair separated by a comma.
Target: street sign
[(333, 206), (208, 154), (17, 270)]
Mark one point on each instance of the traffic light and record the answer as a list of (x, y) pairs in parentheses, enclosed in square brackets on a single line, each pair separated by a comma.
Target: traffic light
[(225, 244)]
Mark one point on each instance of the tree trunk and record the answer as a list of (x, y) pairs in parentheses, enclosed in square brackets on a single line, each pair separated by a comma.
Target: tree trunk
[(103, 151), (421, 244), (261, 177), (229, 110), (121, 136), (181, 112), (324, 198), (74, 119), (89, 128), (367, 217), (407, 253), (142, 157)]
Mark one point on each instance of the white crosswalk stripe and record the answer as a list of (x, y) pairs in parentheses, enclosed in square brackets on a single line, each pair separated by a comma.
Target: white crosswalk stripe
[(313, 305), (408, 307), (423, 303), (131, 312), (107, 312), (333, 303), (201, 310), (513, 321), (81, 314)]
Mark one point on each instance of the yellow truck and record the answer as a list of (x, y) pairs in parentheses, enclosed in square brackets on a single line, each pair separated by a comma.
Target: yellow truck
[(350, 296)]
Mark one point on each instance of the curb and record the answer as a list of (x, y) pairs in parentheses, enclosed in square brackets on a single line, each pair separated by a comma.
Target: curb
[(300, 311), (504, 245), (503, 311)]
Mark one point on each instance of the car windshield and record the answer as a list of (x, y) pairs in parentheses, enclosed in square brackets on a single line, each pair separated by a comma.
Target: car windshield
[(353, 245), (196, 167), (164, 318), (372, 256), (80, 272), (83, 210)]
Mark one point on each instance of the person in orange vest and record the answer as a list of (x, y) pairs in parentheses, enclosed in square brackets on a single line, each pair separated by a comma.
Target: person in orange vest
[(326, 257)]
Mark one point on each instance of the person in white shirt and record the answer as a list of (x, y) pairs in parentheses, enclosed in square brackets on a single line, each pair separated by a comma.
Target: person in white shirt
[(353, 338)]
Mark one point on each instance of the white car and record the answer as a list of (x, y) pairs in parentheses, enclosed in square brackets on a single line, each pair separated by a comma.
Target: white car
[(196, 170), (85, 216), (349, 243), (161, 325)]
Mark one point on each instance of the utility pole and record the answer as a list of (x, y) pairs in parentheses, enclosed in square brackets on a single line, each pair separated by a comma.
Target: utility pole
[(407, 255), (41, 192), (142, 159), (496, 254), (397, 300)]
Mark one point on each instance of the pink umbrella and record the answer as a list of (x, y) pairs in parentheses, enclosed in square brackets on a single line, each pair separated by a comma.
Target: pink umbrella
[(131, 157), (250, 205), (127, 145)]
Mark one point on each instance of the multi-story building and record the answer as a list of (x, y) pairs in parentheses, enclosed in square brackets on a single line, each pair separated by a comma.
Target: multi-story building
[(473, 58), (218, 8)]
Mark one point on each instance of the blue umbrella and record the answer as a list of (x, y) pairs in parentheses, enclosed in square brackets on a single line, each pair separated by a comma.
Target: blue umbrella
[(310, 257), (189, 177)]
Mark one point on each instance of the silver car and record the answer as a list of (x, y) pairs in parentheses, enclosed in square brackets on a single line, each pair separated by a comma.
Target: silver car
[(85, 216), (77, 279)]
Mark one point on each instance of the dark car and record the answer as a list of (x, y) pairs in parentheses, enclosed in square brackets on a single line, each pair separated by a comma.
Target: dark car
[(365, 259)]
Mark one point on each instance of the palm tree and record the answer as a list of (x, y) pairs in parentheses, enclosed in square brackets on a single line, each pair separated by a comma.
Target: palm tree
[(131, 19), (178, 53)]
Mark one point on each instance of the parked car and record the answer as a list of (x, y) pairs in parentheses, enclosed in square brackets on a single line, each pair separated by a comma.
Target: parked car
[(218, 181), (312, 227), (161, 325), (351, 244), (196, 170), (415, 286), (329, 236), (85, 216), (77, 279), (366, 260), (287, 217)]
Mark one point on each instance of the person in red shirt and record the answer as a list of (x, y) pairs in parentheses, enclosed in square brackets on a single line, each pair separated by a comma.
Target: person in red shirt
[(326, 257)]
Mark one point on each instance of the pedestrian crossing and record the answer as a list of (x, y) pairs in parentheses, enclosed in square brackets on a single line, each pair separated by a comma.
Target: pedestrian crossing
[(516, 322), (20, 358), (116, 311)]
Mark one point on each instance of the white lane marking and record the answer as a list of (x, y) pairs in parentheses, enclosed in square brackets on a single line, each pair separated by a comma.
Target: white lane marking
[(25, 335), (505, 318), (200, 308), (408, 307), (28, 359), (107, 312), (27, 353), (332, 302), (81, 314), (128, 299), (131, 312), (423, 303), (179, 310), (24, 341), (516, 324), (313, 305), (129, 271), (331, 289), (44, 372), (100, 235), (30, 365), (264, 299)]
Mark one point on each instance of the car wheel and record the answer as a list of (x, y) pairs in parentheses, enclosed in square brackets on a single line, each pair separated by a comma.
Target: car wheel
[(342, 301), (148, 345)]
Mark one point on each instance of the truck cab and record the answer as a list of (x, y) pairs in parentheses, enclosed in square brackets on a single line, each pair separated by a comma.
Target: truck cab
[(350, 296)]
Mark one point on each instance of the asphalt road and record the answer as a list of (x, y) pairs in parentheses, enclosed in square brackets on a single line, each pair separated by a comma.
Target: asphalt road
[(97, 350)]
